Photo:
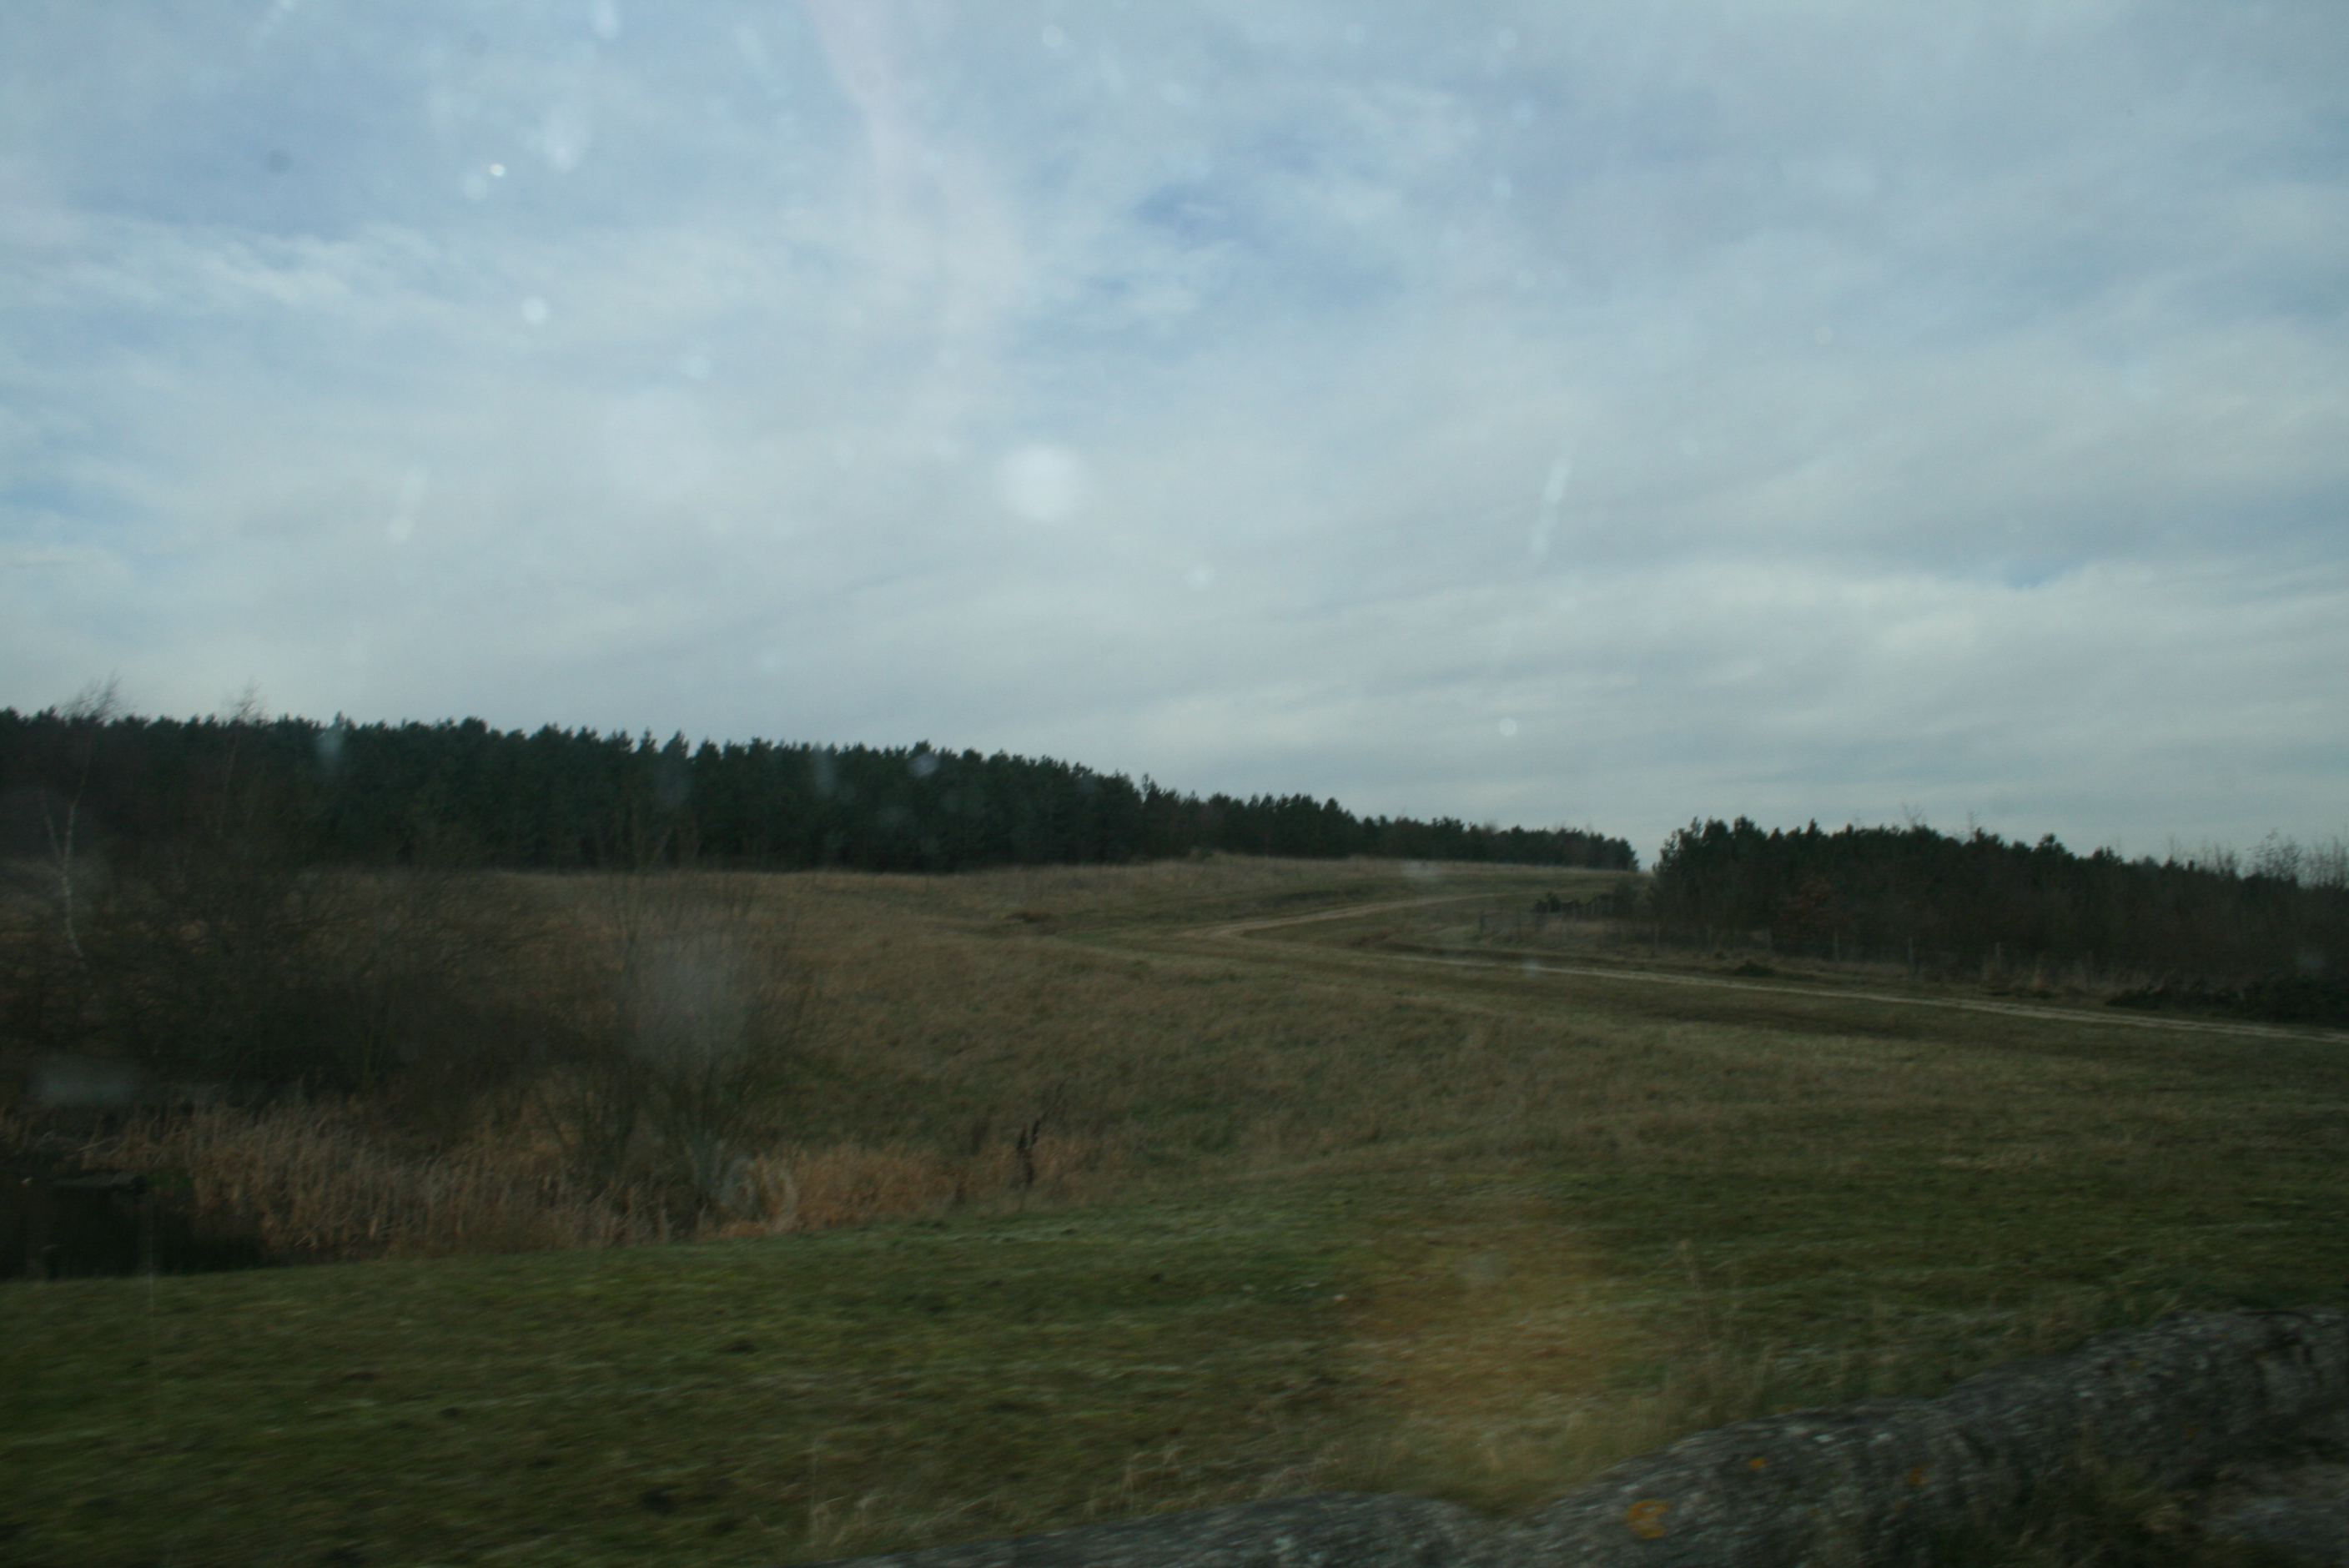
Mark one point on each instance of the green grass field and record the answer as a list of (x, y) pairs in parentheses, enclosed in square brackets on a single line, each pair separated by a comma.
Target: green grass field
[(1380, 1202)]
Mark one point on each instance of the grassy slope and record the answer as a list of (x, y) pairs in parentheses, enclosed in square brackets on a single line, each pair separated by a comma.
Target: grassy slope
[(1379, 1224)]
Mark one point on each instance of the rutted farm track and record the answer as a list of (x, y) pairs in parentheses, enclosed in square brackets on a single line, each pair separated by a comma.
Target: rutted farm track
[(1397, 962)]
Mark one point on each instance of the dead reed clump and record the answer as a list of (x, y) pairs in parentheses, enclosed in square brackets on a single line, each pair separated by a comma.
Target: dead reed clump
[(816, 1189), (312, 1183), (315, 1184)]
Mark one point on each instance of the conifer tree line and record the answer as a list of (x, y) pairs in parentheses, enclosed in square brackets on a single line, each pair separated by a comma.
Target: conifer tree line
[(1892, 892), (385, 794)]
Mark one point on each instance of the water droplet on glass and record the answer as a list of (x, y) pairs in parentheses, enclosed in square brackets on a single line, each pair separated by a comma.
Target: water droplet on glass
[(412, 486), (1508, 728), (1200, 578), (534, 311), (1553, 486), (1042, 483), (563, 138)]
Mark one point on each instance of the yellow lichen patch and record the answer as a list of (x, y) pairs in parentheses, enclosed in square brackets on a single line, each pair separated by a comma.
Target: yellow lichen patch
[(1646, 1517)]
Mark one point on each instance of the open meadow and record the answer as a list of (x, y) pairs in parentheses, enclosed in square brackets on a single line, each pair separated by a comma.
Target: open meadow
[(1089, 1192)]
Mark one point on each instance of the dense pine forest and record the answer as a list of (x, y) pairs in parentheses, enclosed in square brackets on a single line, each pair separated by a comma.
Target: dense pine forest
[(383, 794), (2270, 941)]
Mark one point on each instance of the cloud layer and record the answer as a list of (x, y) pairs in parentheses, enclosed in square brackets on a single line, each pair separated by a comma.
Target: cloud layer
[(1604, 414)]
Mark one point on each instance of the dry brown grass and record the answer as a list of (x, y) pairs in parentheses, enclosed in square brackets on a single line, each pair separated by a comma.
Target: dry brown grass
[(1051, 1036), (315, 1182)]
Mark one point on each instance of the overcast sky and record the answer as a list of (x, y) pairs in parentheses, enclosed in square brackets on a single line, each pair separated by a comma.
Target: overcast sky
[(1547, 413)]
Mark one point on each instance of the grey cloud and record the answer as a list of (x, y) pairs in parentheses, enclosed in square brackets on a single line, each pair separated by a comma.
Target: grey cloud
[(1898, 360)]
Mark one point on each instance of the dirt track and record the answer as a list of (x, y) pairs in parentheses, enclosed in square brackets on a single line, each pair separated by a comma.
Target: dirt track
[(1535, 964)]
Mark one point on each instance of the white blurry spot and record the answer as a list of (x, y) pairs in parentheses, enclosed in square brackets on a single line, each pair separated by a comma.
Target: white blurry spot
[(1504, 188), (1823, 335), (1505, 40), (497, 171), (694, 367), (401, 527), (754, 55), (1042, 483), (563, 138), (1112, 75), (604, 17), (1526, 281), (1690, 446), (1354, 34), (770, 662), (923, 764), (1174, 93), (1508, 728), (1054, 39), (475, 186), (1840, 176), (534, 311), (1525, 112), (81, 1082), (269, 22), (656, 446), (1200, 578), (1553, 492)]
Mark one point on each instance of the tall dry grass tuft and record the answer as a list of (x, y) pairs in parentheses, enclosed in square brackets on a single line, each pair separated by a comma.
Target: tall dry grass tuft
[(312, 1182), (315, 1183)]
